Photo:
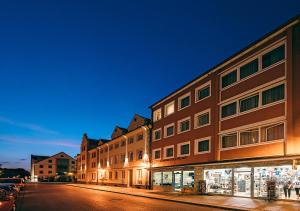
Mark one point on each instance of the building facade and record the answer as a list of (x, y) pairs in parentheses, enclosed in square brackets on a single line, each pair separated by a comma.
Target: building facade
[(58, 167), (121, 161), (235, 127)]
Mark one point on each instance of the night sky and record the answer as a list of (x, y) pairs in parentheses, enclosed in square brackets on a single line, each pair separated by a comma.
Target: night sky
[(69, 67)]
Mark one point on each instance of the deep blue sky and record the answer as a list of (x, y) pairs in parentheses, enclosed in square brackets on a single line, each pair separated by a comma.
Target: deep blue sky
[(69, 67)]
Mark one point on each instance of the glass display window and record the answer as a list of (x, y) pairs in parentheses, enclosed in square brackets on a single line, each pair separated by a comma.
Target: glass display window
[(167, 178), (219, 181), (188, 178), (157, 178), (242, 182)]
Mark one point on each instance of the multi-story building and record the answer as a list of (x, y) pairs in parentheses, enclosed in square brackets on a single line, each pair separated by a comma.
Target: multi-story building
[(236, 126), (58, 167), (122, 161), (86, 169)]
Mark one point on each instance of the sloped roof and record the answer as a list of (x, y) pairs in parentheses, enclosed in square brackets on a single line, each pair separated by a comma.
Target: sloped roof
[(137, 121)]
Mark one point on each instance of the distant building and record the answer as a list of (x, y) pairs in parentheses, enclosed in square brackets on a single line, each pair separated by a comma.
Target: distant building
[(58, 167), (122, 161)]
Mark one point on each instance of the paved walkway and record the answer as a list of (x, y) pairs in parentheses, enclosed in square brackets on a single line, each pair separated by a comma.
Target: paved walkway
[(224, 202)]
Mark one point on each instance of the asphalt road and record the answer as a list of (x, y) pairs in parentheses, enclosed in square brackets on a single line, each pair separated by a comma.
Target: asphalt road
[(56, 197)]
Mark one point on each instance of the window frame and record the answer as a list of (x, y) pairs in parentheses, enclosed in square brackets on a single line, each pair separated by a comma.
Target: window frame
[(179, 149), (179, 125), (153, 134), (165, 130), (250, 96), (196, 143), (200, 114), (182, 97), (165, 108), (157, 110), (201, 87), (165, 152), (156, 150)]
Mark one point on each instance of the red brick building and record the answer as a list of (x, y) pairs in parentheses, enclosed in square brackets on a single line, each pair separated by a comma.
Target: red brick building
[(236, 126)]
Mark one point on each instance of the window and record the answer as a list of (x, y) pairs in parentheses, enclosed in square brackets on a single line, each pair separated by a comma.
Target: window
[(184, 125), (130, 140), (169, 108), (202, 92), (116, 175), (140, 137), (157, 134), (123, 174), (229, 110), (110, 175), (116, 159), (116, 145), (110, 147), (249, 137), (167, 178), (50, 166), (202, 119), (49, 172), (273, 57), (229, 140), (249, 103), (249, 69), (73, 162), (41, 172), (122, 143), (157, 178), (41, 166), (229, 79), (169, 151), (273, 94), (49, 161), (140, 155), (184, 101), (157, 115), (139, 176), (169, 130), (122, 158), (130, 156), (202, 145), (183, 149), (272, 132), (156, 154)]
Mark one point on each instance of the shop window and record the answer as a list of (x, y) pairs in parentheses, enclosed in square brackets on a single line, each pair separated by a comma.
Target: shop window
[(167, 178), (249, 137), (228, 110), (249, 69), (272, 132), (249, 103), (218, 181), (273, 56), (157, 178), (273, 94), (229, 79), (188, 179), (169, 130), (242, 182), (229, 140), (170, 108), (184, 101), (157, 115), (157, 134)]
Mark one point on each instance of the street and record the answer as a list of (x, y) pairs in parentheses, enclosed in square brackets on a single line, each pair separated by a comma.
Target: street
[(49, 197)]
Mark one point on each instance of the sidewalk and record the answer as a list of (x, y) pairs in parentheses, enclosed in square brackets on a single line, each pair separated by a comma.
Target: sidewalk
[(223, 202)]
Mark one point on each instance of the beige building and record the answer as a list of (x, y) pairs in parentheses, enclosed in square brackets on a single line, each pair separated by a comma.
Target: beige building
[(58, 167), (122, 161)]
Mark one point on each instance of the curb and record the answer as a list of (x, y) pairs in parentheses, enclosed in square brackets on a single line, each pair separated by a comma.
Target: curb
[(165, 199)]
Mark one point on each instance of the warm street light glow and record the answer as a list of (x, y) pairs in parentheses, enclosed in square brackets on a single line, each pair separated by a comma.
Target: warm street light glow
[(126, 161)]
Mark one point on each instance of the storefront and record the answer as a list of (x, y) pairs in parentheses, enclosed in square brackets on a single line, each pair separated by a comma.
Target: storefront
[(174, 180), (251, 181)]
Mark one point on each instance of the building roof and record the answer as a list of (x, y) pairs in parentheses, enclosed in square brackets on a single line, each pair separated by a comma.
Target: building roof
[(295, 18), (38, 158)]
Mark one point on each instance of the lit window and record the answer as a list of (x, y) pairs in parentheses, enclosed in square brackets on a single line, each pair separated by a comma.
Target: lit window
[(169, 108), (157, 115)]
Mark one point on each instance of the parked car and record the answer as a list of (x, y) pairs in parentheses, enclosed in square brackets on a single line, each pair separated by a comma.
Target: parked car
[(16, 181), (6, 203), (11, 191)]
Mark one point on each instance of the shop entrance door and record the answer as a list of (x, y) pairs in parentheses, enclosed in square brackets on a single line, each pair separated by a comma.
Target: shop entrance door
[(242, 182), (177, 180)]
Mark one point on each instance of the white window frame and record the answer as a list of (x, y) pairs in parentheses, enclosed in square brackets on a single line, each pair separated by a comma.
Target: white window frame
[(153, 152), (244, 98), (227, 134), (231, 116), (228, 72), (153, 134), (157, 110), (199, 114), (181, 97), (200, 88), (197, 141), (182, 120), (165, 108), (179, 149), (165, 151), (165, 130)]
